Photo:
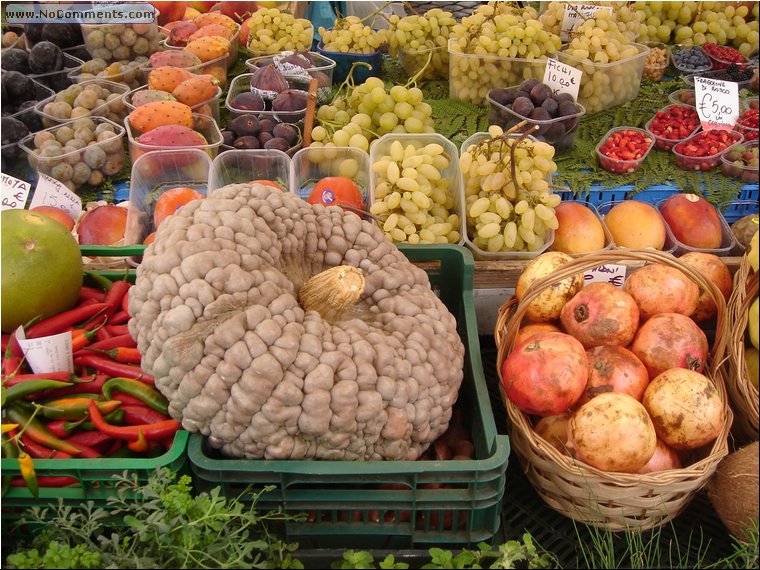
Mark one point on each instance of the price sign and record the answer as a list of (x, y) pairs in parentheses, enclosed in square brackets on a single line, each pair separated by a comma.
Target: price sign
[(51, 192), (575, 15), (717, 103), (609, 273), (562, 78), (47, 353), (15, 193)]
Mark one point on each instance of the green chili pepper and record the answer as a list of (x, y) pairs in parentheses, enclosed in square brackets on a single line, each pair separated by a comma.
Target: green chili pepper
[(32, 387), (116, 417), (143, 392), (99, 280), (75, 408), (36, 430)]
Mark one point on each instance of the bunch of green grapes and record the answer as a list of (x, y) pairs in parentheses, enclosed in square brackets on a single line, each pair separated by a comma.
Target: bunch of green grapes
[(369, 111), (497, 46), (413, 199), (351, 35), (414, 38), (627, 18), (509, 204), (274, 30)]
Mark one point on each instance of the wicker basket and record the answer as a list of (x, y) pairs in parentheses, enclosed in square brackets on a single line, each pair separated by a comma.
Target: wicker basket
[(743, 394), (615, 501)]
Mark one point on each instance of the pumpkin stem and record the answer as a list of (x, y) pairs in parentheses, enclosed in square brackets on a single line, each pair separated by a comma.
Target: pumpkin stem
[(333, 291)]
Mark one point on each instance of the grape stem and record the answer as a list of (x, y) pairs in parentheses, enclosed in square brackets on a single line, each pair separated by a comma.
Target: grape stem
[(377, 12), (348, 82), (413, 79)]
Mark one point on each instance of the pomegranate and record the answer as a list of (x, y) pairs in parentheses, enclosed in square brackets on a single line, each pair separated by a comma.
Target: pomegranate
[(614, 369), (546, 374), (532, 329), (685, 408), (670, 340), (659, 288), (554, 430), (612, 432), (548, 304), (601, 314), (712, 267), (664, 458)]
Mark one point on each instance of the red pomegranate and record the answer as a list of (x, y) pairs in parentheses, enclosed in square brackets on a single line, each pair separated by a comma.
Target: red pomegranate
[(614, 369), (664, 458), (670, 340), (601, 314), (546, 374), (715, 269), (659, 288)]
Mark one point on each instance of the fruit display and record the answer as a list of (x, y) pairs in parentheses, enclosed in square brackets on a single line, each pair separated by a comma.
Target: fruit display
[(129, 72), (657, 61), (199, 92), (747, 123), (673, 124), (272, 30), (693, 221), (266, 93), (509, 204), (741, 161), (580, 229), (20, 97), (418, 37), (118, 42), (557, 116), (623, 149), (634, 224), (496, 46), (93, 98), (703, 150), (251, 132), (351, 35), (731, 73), (298, 69), (683, 96), (690, 59), (723, 56)]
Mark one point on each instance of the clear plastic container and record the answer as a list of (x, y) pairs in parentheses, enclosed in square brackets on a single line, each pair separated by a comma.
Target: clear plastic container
[(114, 110), (618, 84), (242, 166), (620, 166), (202, 124), (154, 173), (749, 133), (748, 174), (471, 76), (322, 69), (216, 67), (715, 74), (478, 252), (720, 63), (41, 93), (344, 62), (664, 143), (257, 48), (655, 71), (413, 60), (131, 73), (209, 107), (701, 162), (242, 84), (381, 147), (66, 166), (604, 209), (104, 40), (231, 56), (735, 210), (683, 69), (727, 239), (559, 132), (311, 164), (60, 80), (683, 97)]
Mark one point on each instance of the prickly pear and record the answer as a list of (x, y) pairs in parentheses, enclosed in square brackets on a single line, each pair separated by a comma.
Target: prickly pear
[(172, 135), (211, 30), (196, 90), (160, 113), (209, 47), (142, 96), (215, 18), (174, 58), (167, 78)]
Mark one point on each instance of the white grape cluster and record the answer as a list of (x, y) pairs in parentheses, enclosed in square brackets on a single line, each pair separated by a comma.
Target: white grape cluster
[(596, 43), (627, 18), (497, 46), (370, 111), (415, 38), (413, 195), (351, 35), (274, 30), (509, 204)]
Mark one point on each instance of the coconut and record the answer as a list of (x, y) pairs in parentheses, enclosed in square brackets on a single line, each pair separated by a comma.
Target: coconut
[(733, 490)]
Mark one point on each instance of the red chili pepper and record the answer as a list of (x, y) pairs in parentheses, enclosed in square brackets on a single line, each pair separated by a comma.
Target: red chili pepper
[(128, 400), (62, 376), (37, 431), (115, 295), (103, 334), (64, 320), (11, 365), (115, 418), (87, 292), (75, 408), (93, 386), (117, 330), (113, 368), (140, 445), (156, 431), (125, 303), (123, 340), (88, 452), (90, 438), (49, 481), (57, 428), (140, 414), (119, 318), (123, 354), (39, 451)]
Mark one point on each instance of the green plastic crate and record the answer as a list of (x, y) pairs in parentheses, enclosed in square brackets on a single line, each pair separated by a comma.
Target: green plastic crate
[(439, 502)]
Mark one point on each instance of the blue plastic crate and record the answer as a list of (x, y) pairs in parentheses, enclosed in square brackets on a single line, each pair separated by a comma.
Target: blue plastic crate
[(750, 192), (737, 209)]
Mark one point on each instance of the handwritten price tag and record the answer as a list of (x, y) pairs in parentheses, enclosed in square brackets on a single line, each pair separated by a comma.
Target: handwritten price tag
[(47, 353), (610, 273), (15, 193), (717, 103), (51, 192), (562, 78), (575, 15)]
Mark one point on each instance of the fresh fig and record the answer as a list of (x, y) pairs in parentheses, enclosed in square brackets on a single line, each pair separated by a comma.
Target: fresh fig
[(228, 137), (45, 57), (247, 142), (17, 85), (266, 125), (298, 59), (287, 132), (15, 59), (290, 101), (248, 101), (267, 81), (264, 138), (277, 143), (244, 125)]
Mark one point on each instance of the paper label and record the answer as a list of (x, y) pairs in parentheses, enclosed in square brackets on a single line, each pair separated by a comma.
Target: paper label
[(575, 15), (48, 353), (51, 192), (717, 103), (608, 273), (15, 193), (562, 78)]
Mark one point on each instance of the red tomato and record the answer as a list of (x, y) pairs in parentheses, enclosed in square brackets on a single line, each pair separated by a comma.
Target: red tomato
[(337, 191)]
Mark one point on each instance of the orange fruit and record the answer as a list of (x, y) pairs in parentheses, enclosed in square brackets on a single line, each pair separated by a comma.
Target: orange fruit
[(56, 214), (171, 200), (337, 191), (41, 268)]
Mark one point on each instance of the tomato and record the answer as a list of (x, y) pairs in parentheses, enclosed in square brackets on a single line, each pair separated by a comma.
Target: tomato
[(337, 191)]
